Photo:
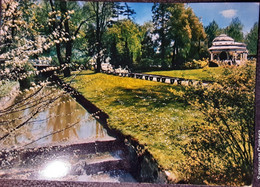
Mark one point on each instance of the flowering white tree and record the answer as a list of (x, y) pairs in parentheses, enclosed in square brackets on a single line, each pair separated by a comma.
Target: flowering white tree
[(66, 24), (19, 41)]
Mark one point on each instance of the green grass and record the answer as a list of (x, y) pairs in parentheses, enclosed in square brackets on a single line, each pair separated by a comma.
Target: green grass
[(206, 74), (6, 87), (154, 113)]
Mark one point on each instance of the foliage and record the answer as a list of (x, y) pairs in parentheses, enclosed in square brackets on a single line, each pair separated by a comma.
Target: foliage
[(147, 47), (221, 148), (179, 34), (20, 40), (161, 30), (197, 64), (198, 46), (128, 12), (100, 14), (126, 36), (212, 30), (64, 30), (235, 30), (251, 39), (186, 31)]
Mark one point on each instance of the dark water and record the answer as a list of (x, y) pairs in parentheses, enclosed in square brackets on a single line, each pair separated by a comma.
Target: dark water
[(64, 121)]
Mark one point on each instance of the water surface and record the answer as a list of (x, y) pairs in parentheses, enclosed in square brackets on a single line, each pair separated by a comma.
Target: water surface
[(63, 121)]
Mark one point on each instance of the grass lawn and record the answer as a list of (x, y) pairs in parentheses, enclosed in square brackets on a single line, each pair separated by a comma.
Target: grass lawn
[(154, 113), (206, 74)]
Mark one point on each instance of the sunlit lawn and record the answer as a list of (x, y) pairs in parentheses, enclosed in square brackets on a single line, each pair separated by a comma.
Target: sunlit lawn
[(206, 74), (154, 113)]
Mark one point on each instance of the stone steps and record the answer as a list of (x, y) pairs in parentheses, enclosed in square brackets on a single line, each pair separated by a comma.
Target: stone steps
[(114, 176), (89, 159)]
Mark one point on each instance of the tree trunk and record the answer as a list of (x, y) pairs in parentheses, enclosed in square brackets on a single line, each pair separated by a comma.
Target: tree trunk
[(163, 44), (173, 58), (98, 61), (163, 52), (199, 49), (58, 47), (0, 12), (68, 44), (174, 55)]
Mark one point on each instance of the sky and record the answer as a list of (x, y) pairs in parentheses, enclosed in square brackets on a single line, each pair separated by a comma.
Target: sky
[(222, 13)]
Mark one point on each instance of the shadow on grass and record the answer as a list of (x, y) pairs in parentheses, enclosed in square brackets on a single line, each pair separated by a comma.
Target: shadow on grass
[(149, 96)]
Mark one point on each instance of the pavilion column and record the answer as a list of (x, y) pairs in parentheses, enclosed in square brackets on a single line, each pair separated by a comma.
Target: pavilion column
[(211, 56), (235, 56), (245, 56)]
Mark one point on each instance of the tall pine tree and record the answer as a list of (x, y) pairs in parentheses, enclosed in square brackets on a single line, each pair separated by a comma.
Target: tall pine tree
[(160, 20), (234, 30), (251, 40)]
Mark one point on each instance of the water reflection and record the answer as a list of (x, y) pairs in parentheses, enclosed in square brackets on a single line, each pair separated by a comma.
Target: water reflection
[(65, 121)]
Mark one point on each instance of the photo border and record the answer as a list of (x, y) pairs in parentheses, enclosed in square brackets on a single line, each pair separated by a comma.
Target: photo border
[(256, 169)]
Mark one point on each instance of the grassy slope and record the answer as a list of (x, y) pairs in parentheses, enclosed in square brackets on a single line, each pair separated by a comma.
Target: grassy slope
[(206, 74), (152, 112)]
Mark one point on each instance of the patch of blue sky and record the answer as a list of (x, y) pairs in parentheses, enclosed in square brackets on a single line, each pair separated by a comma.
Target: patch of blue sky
[(143, 12), (222, 13)]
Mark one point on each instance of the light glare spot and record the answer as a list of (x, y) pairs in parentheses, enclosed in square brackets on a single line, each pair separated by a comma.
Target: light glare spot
[(56, 169)]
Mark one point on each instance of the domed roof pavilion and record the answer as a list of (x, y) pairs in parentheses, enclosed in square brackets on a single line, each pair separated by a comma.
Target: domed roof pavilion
[(226, 51)]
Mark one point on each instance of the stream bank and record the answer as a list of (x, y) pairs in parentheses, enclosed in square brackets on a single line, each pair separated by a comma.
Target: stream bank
[(143, 166)]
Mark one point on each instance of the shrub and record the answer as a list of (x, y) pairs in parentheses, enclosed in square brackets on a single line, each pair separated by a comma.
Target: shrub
[(220, 150), (196, 64)]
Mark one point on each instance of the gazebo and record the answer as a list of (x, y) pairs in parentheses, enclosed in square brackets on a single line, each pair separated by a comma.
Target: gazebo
[(226, 51)]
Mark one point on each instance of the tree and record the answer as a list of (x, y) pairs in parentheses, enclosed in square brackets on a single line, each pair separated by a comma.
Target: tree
[(212, 30), (66, 21), (20, 41), (127, 38), (59, 19), (180, 33), (198, 36), (128, 12), (251, 39), (160, 21), (234, 30), (147, 49), (118, 9), (186, 33), (101, 12)]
